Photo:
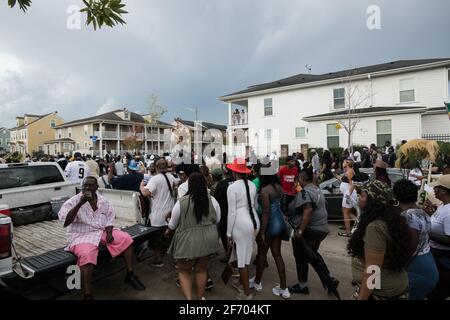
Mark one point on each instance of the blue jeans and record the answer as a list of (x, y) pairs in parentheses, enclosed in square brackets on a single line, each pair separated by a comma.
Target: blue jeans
[(423, 276)]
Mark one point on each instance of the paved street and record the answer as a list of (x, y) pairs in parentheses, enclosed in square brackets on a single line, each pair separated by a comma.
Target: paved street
[(161, 282)]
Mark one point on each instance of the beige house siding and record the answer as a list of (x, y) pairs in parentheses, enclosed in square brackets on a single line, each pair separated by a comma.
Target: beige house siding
[(42, 131)]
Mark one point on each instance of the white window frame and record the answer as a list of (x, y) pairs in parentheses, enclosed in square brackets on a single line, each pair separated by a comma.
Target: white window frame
[(268, 107), (332, 136), (69, 132), (300, 137), (383, 133), (268, 134), (335, 106), (407, 90)]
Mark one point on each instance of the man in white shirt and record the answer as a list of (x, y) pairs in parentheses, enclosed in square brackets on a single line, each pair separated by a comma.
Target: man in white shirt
[(120, 169), (161, 189), (77, 170)]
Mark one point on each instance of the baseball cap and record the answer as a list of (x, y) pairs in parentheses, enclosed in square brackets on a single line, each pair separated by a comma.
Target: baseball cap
[(217, 172), (133, 165), (443, 181)]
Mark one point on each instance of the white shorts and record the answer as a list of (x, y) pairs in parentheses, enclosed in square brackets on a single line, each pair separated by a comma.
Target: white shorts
[(347, 200)]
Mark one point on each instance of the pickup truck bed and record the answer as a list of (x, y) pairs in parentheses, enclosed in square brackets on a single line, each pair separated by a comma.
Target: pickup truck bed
[(41, 246), (38, 238)]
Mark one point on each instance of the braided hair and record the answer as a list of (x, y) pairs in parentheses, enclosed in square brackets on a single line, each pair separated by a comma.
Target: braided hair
[(249, 201)]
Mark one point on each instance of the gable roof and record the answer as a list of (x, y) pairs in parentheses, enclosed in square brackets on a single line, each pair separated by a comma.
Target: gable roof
[(26, 125), (311, 78), (206, 125), (109, 116)]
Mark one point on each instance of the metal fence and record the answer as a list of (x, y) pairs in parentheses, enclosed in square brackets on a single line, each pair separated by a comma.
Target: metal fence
[(445, 137)]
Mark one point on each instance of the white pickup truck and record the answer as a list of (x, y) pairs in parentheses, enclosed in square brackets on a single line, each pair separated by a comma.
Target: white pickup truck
[(29, 196)]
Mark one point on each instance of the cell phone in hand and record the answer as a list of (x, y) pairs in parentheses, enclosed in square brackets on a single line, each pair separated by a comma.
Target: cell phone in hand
[(87, 195)]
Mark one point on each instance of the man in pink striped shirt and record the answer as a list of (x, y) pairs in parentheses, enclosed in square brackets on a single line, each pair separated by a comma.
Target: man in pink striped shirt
[(89, 219)]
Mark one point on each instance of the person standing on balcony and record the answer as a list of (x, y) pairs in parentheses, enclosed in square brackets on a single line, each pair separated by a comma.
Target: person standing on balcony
[(243, 117), (237, 117)]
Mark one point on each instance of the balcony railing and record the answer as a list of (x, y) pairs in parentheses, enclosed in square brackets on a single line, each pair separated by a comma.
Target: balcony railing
[(238, 120), (124, 135)]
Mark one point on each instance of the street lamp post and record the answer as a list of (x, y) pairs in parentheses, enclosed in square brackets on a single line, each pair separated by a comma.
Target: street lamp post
[(193, 110)]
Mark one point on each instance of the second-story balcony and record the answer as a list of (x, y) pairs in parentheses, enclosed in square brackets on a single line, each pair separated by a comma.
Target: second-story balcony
[(114, 135)]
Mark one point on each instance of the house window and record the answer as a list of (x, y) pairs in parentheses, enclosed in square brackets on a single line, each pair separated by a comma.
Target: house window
[(268, 134), (127, 115), (332, 136), (268, 110), (407, 90), (300, 132), (67, 146), (53, 123), (339, 98), (70, 132), (40, 132), (384, 132), (85, 130), (59, 133)]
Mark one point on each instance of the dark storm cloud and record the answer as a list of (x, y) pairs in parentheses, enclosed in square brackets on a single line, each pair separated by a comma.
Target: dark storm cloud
[(191, 52)]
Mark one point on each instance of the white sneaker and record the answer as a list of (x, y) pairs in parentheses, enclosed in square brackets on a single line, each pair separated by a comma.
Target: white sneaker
[(285, 294), (254, 285)]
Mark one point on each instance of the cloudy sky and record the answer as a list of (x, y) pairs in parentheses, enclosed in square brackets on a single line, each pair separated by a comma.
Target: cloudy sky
[(190, 52)]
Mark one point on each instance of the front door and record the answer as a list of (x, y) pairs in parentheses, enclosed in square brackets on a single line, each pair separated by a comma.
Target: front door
[(284, 150)]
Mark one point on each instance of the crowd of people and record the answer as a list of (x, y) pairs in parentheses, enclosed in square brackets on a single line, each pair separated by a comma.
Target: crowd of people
[(252, 207)]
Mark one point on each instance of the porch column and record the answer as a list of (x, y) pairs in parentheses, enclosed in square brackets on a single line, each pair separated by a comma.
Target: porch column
[(229, 144), (118, 139), (229, 114), (101, 139), (145, 138), (159, 142)]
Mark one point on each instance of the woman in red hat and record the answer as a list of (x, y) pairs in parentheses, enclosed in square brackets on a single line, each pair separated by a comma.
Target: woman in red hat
[(243, 224)]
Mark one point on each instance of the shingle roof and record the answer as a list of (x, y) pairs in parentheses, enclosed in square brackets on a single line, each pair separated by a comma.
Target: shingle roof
[(109, 116), (207, 125), (310, 78), (364, 111)]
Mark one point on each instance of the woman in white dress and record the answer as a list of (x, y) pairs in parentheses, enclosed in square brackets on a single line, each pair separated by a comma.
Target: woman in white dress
[(243, 224), (349, 197)]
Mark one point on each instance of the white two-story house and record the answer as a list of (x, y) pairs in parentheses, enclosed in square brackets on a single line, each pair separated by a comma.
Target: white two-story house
[(394, 101)]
